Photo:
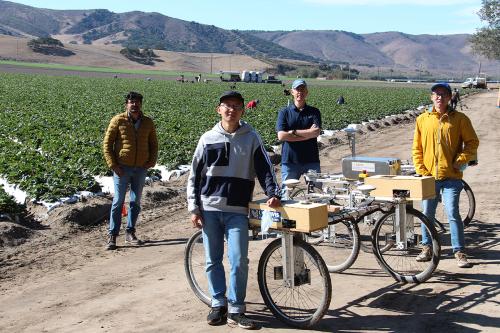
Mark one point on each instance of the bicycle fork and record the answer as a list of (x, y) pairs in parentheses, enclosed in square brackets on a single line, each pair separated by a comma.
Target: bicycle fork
[(403, 227), (293, 270)]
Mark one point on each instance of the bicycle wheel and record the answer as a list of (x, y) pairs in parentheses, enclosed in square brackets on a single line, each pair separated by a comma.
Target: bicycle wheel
[(339, 245), (399, 260), (466, 206), (194, 266), (365, 227), (305, 304), (316, 237), (471, 200)]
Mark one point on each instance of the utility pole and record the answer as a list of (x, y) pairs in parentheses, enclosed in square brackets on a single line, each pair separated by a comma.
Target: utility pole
[(211, 62)]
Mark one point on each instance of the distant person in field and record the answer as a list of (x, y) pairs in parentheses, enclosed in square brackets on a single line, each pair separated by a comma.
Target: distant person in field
[(130, 149), (340, 100), (298, 127), (455, 98), (220, 186), (443, 143), (253, 104)]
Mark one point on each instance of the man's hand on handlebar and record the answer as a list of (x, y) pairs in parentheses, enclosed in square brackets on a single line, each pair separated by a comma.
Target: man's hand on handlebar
[(273, 202)]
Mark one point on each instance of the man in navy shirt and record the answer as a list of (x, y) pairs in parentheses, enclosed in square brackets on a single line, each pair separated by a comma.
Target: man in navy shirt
[(298, 127)]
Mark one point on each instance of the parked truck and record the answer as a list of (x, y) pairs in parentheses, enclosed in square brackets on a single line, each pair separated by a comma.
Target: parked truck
[(477, 82)]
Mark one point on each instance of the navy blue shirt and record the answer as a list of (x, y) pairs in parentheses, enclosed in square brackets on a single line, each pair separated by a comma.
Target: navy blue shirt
[(291, 118)]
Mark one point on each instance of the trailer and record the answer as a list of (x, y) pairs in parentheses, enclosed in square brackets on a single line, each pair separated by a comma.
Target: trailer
[(246, 76), (229, 76), (272, 79)]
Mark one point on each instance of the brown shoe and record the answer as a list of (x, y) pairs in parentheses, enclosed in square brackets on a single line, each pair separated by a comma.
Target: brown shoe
[(425, 255), (462, 260), (111, 245), (130, 238)]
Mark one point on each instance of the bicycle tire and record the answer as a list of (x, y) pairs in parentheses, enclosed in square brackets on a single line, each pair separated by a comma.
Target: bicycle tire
[(292, 314), (466, 204), (472, 204), (339, 245), (315, 237), (194, 268), (401, 263)]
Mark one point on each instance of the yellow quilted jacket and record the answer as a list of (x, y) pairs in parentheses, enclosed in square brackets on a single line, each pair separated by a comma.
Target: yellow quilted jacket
[(124, 145), (438, 142)]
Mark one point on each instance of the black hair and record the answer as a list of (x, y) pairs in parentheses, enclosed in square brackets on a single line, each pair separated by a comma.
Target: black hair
[(132, 95)]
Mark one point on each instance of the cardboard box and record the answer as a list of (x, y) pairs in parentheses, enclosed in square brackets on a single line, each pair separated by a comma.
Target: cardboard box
[(292, 215), (420, 188)]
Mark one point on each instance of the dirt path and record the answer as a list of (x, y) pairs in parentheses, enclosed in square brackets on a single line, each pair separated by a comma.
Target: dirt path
[(63, 281)]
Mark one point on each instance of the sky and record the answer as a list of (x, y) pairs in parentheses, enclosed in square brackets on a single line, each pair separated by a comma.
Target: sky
[(437, 17)]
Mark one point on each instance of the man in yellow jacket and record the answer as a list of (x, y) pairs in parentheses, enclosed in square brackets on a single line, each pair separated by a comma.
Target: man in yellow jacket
[(443, 143), (130, 148)]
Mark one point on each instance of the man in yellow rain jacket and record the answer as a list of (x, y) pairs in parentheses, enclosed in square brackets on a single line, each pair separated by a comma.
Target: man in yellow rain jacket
[(443, 143)]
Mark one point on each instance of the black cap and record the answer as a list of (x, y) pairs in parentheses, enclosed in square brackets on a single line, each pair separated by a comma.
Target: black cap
[(231, 94), (132, 95)]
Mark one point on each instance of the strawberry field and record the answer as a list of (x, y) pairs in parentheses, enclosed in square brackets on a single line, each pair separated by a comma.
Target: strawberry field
[(51, 128)]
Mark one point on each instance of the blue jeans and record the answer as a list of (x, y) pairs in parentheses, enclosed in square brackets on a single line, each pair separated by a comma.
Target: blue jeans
[(450, 195), (135, 176), (234, 226), (294, 171)]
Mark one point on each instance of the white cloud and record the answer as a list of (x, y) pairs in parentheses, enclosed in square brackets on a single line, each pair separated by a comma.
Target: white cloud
[(393, 2)]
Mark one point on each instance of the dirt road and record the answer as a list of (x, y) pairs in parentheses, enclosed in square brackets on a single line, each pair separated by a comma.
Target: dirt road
[(62, 280)]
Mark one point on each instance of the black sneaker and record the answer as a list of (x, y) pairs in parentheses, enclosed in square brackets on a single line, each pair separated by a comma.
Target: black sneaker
[(239, 319), (111, 243), (130, 238), (217, 315)]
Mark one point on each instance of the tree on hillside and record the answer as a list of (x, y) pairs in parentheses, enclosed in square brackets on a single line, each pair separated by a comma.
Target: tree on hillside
[(145, 56), (486, 40), (49, 46), (45, 42)]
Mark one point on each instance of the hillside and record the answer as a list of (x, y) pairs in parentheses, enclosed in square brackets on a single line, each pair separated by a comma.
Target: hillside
[(135, 29), (394, 52), (109, 56), (446, 54)]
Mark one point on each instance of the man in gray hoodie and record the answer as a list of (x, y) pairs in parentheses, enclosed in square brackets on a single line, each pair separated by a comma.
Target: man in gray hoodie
[(220, 186)]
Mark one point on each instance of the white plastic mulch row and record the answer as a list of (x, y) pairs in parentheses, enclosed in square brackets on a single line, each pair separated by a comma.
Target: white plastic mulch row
[(106, 184)]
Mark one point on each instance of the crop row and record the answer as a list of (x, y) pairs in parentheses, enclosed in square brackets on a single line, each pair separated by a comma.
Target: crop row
[(51, 128)]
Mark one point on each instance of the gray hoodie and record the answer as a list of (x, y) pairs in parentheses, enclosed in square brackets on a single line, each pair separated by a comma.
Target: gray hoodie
[(224, 168)]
